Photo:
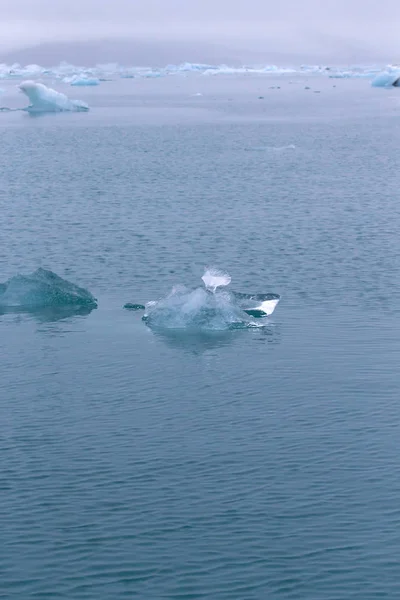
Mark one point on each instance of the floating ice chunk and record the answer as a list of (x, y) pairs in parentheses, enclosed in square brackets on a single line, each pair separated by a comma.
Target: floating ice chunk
[(223, 70), (352, 74), (196, 309), (208, 309), (248, 70), (82, 80), (257, 305), (42, 289), (194, 67), (387, 79), (152, 74), (44, 99), (188, 67), (33, 70)]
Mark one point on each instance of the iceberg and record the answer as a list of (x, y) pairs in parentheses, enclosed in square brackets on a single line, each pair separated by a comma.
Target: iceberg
[(387, 79), (80, 81), (190, 67), (248, 70), (44, 99), (197, 309), (208, 308), (43, 289)]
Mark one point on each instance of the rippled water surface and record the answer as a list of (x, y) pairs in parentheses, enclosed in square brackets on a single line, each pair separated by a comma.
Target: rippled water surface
[(139, 463)]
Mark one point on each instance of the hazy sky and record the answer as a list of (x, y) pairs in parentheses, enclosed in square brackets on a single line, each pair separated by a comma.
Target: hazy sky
[(367, 28)]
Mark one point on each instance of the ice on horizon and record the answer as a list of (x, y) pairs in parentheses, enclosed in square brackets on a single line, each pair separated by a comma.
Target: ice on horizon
[(43, 289), (98, 72), (44, 99), (81, 81)]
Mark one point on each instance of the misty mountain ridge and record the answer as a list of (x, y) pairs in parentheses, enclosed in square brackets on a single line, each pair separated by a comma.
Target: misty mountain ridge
[(149, 54), (129, 53)]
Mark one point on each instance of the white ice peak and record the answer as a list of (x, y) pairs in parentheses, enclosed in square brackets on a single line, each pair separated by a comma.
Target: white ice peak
[(214, 278)]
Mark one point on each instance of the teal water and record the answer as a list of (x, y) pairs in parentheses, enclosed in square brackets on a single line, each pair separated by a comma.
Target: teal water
[(232, 465)]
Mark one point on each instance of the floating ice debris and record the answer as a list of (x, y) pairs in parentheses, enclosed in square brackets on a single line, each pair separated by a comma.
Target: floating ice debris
[(191, 67), (44, 99), (17, 71), (130, 306), (387, 79), (208, 308), (81, 81), (43, 289), (355, 73), (257, 305)]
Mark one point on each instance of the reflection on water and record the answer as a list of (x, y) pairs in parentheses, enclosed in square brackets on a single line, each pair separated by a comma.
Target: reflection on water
[(198, 342), (41, 114), (270, 334), (49, 314)]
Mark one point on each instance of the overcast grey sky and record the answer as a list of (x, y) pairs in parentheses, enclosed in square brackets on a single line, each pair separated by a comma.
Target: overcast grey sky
[(320, 27)]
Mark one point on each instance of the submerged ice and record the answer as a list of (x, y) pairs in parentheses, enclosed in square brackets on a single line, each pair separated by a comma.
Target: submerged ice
[(208, 307), (43, 289), (197, 309), (44, 99)]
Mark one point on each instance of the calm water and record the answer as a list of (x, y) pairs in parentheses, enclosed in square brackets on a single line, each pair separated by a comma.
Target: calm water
[(238, 465)]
